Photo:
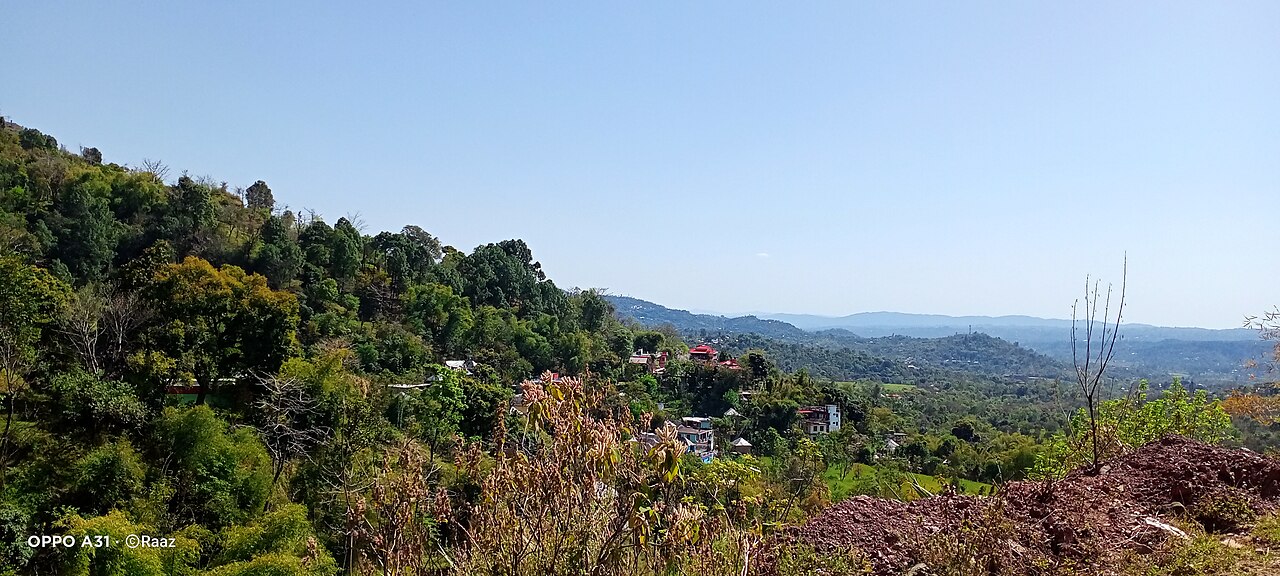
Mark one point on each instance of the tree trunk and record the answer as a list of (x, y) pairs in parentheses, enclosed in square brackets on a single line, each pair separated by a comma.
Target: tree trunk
[(266, 506), (4, 441), (1093, 433), (202, 392)]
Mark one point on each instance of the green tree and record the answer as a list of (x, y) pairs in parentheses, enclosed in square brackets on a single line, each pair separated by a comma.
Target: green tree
[(439, 315), (407, 256), (220, 475), (116, 559), (483, 396), (277, 255), (30, 301), (504, 275), (1132, 421), (1137, 419), (85, 227), (277, 543), (347, 245), (758, 365), (593, 310), (316, 241), (435, 412), (191, 215), (91, 155), (258, 197), (33, 139), (94, 405), (108, 477), (220, 322)]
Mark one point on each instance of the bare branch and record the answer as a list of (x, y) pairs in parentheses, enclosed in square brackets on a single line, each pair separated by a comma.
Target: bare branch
[(286, 426), (1090, 373), (157, 168)]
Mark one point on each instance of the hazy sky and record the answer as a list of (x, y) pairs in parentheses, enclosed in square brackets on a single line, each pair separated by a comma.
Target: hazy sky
[(942, 157)]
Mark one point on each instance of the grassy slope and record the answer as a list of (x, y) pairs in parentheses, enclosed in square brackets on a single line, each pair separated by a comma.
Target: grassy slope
[(885, 387), (842, 488)]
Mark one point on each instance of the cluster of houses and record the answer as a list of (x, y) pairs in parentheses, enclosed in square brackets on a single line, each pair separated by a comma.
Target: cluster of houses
[(697, 432), (654, 361), (702, 354), (705, 354)]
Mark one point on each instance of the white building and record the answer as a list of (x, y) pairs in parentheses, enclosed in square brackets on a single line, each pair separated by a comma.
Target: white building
[(820, 419)]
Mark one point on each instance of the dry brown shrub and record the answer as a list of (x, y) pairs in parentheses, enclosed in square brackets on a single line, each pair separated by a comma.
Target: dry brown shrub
[(580, 493)]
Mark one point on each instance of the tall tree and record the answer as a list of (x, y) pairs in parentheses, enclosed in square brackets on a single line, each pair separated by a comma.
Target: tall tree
[(220, 322), (316, 241), (85, 227), (406, 256), (505, 275), (440, 315), (258, 197), (192, 213), (277, 255), (346, 249), (30, 300)]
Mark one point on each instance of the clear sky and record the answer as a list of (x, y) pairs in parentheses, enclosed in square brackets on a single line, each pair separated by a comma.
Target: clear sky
[(941, 157)]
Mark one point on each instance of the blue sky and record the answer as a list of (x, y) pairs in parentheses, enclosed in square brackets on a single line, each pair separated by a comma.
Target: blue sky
[(953, 158)]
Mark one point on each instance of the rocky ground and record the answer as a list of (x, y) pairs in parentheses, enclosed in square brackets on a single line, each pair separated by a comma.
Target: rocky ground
[(1086, 523)]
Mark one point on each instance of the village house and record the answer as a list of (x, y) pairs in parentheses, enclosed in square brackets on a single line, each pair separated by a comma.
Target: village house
[(189, 386), (466, 366), (703, 353), (740, 446), (820, 419), (647, 440), (655, 361), (893, 441), (697, 432)]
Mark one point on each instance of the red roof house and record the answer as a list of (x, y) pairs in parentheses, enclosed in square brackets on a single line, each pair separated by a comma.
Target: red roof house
[(703, 353)]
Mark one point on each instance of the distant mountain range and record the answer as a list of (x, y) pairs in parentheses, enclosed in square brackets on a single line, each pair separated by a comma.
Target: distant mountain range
[(1018, 328), (1217, 355), (652, 314)]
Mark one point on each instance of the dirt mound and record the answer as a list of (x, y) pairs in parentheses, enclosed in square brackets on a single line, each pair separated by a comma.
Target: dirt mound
[(1084, 520)]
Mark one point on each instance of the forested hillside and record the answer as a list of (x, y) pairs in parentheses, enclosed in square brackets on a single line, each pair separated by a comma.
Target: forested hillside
[(268, 393), (134, 299), (975, 352), (1006, 345)]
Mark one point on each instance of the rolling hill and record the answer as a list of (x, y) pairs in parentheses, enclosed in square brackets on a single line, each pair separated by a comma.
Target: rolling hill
[(1023, 345)]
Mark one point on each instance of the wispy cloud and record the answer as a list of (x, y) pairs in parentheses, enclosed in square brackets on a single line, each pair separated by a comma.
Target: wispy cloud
[(762, 254)]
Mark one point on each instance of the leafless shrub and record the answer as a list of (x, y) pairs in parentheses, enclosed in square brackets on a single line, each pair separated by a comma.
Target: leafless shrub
[(393, 527), (157, 168), (1100, 335), (585, 496), (286, 410), (99, 324)]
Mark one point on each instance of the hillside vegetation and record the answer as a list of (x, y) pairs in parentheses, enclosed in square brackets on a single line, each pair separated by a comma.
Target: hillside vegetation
[(269, 393), (1005, 345)]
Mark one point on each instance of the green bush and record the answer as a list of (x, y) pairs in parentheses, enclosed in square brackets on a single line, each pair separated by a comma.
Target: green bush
[(119, 558), (282, 533), (108, 477), (219, 477), (1225, 510)]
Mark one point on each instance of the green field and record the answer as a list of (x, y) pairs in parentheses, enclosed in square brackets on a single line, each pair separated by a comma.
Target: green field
[(861, 480), (888, 388)]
